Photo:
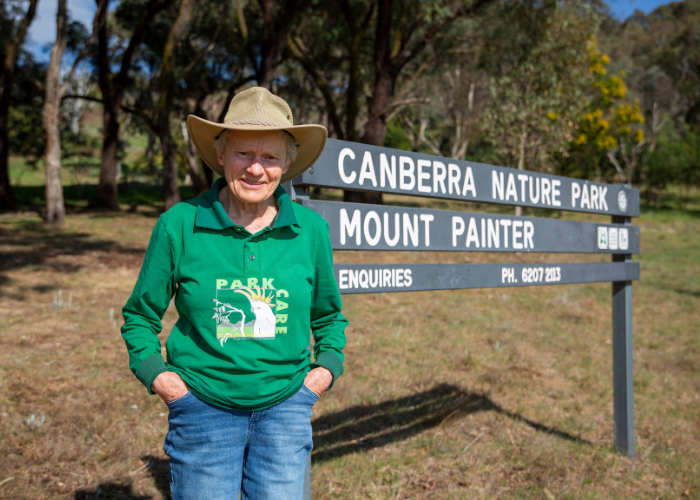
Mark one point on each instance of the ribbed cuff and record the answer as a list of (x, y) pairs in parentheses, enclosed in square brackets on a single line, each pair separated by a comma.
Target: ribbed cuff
[(149, 369), (330, 361)]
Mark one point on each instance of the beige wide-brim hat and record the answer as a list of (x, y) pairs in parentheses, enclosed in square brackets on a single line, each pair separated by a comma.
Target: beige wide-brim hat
[(258, 109)]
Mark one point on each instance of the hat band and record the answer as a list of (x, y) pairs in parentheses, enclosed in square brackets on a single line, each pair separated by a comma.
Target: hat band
[(255, 122)]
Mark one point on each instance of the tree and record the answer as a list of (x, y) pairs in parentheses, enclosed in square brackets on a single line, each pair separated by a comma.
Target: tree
[(114, 86), (13, 34), (608, 126), (538, 90), (171, 190), (55, 209), (402, 31), (178, 43)]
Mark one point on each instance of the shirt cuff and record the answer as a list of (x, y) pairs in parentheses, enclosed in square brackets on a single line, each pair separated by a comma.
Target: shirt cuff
[(149, 369), (331, 362)]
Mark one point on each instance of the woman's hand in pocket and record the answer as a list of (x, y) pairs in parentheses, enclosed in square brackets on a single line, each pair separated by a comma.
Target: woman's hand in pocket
[(169, 386), (318, 379)]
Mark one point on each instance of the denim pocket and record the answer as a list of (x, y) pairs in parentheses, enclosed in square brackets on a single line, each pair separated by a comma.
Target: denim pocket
[(310, 393), (175, 402)]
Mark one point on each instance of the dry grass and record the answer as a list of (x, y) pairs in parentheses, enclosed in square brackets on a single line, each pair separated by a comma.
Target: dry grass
[(458, 394)]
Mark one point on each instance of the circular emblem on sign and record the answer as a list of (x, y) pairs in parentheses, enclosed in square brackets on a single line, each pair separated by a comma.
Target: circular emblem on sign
[(622, 201)]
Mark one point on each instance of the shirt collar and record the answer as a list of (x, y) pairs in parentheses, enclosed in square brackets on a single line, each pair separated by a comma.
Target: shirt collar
[(211, 214)]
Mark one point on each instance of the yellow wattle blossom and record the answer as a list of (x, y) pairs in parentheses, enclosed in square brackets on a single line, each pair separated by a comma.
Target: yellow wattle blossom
[(605, 142), (608, 119), (552, 115), (629, 113)]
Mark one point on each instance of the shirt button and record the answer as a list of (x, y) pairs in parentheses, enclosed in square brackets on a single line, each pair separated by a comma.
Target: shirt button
[(252, 257), (238, 229)]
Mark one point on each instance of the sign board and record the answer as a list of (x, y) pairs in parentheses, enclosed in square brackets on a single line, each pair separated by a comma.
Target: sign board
[(354, 166), (356, 226), (376, 278)]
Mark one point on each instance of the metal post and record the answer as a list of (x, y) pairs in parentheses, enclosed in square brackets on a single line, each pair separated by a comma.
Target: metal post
[(623, 381)]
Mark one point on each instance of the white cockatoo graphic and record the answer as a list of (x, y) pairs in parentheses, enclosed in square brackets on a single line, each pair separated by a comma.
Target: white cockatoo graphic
[(265, 319)]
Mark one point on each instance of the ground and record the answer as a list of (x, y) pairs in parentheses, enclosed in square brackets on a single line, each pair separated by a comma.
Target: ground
[(500, 393)]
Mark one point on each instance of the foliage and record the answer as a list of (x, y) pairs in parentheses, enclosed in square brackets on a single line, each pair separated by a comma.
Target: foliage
[(676, 159), (539, 91), (609, 124), (555, 86), (25, 130)]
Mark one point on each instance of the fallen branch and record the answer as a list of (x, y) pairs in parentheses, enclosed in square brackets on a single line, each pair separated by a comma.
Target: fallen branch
[(469, 445)]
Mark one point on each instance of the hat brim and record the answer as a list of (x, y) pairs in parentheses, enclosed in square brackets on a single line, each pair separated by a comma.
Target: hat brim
[(310, 140)]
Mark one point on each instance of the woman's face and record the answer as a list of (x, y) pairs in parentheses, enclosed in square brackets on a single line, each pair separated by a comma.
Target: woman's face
[(254, 163)]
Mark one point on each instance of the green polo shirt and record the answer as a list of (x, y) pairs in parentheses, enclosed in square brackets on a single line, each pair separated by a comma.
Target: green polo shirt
[(247, 303)]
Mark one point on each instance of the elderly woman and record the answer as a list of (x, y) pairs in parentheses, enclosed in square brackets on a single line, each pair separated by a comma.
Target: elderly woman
[(252, 275)]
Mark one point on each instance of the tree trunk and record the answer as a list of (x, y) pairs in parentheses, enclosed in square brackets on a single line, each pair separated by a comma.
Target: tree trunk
[(107, 194), (208, 173), (268, 56), (9, 64), (384, 80), (521, 161), (275, 36), (171, 189), (7, 197), (199, 181), (55, 208)]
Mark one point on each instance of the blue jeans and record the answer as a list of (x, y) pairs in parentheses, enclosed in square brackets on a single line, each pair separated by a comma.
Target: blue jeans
[(215, 452)]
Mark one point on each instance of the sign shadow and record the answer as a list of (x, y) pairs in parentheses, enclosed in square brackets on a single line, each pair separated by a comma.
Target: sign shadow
[(373, 426)]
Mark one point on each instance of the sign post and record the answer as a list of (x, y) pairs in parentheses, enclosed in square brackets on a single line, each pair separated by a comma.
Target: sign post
[(623, 381)]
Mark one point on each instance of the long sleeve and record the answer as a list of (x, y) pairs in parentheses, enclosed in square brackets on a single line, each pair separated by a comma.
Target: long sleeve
[(327, 322), (147, 305)]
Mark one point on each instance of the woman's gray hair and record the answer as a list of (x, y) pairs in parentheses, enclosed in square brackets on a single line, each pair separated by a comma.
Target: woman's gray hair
[(222, 140)]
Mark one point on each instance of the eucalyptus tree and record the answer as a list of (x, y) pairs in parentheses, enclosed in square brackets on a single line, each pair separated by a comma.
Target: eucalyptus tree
[(15, 22), (538, 80), (117, 47), (184, 56), (274, 22), (398, 32), (55, 89)]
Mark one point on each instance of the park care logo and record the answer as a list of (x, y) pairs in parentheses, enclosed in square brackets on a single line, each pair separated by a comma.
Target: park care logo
[(248, 311)]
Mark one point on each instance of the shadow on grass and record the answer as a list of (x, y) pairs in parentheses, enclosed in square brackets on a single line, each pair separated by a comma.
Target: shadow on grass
[(158, 468), (79, 196), (33, 244), (373, 426), (359, 428), (110, 491)]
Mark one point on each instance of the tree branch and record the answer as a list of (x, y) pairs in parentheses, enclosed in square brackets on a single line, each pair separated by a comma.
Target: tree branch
[(152, 8), (133, 111), (404, 56), (86, 48), (616, 164), (296, 47)]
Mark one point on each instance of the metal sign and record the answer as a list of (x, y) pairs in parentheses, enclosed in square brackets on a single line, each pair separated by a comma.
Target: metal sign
[(354, 166), (355, 226), (375, 278)]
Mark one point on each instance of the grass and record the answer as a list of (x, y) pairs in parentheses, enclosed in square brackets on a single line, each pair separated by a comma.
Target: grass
[(493, 393)]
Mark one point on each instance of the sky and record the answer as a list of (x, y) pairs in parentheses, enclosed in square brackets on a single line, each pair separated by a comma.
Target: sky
[(43, 29)]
